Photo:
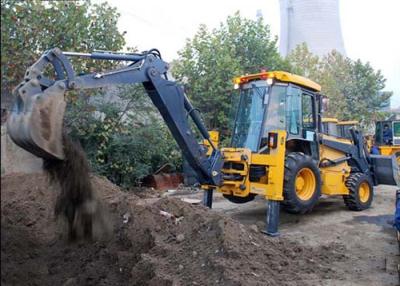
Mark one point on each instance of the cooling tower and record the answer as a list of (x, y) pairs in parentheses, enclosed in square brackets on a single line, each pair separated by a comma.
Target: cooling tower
[(315, 22)]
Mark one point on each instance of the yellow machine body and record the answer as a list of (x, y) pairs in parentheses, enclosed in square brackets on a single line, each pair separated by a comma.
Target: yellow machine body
[(239, 160), (333, 178), (389, 150)]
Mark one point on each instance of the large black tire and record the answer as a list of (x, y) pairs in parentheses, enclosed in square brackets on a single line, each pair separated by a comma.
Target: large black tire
[(298, 199), (240, 200), (361, 192)]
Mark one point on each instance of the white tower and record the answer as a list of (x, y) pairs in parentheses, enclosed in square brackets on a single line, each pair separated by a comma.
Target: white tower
[(315, 22)]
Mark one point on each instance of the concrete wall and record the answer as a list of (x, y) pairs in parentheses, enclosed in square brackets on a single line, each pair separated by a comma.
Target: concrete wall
[(315, 22), (15, 159)]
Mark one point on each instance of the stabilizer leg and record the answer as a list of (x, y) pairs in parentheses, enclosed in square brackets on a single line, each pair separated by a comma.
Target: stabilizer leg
[(208, 198), (272, 218)]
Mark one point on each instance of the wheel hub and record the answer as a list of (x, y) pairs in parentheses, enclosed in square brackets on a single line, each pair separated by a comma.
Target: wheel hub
[(305, 184), (364, 192)]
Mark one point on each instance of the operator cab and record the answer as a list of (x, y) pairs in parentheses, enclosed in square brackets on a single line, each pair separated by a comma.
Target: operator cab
[(271, 101), (329, 126), (343, 128), (387, 132)]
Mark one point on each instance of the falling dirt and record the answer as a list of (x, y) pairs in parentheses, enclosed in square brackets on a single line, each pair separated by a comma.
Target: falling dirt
[(154, 242), (76, 203)]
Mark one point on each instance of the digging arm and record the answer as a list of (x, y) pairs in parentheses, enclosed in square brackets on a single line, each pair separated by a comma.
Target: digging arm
[(35, 123)]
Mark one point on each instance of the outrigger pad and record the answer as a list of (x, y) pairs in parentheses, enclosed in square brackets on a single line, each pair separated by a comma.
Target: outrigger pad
[(36, 121)]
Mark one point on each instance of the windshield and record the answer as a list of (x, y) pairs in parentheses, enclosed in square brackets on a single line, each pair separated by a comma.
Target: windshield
[(250, 115)]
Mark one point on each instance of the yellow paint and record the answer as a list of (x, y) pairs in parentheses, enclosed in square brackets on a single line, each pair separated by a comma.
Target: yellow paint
[(214, 137), (279, 76), (338, 139), (270, 186), (389, 150), (364, 192), (329, 119), (349, 122), (305, 184), (334, 177)]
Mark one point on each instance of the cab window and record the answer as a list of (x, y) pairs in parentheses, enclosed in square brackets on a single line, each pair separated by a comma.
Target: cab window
[(293, 112), (307, 104)]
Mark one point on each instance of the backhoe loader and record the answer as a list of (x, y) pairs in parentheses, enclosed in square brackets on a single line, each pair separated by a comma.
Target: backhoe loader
[(334, 127), (387, 137), (277, 149), (329, 126), (343, 128)]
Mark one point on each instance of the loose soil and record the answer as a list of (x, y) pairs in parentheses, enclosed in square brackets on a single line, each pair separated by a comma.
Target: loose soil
[(157, 241), (76, 202)]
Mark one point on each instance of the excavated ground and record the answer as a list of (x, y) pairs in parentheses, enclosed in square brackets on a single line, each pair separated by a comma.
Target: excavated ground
[(160, 241)]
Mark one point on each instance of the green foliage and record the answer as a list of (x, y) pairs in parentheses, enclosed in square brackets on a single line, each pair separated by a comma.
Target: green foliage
[(210, 60), (28, 28), (124, 138), (354, 88), (303, 62)]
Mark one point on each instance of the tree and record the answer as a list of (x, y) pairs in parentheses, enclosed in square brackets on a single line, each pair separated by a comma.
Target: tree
[(353, 87), (210, 60), (119, 129), (28, 28), (303, 62)]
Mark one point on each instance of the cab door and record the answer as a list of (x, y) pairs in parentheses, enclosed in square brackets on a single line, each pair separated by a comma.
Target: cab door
[(309, 121)]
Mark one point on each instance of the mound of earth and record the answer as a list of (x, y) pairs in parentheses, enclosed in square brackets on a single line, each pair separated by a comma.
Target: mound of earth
[(154, 242)]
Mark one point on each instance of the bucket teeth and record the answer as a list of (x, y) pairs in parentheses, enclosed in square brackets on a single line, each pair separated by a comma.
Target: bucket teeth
[(36, 121)]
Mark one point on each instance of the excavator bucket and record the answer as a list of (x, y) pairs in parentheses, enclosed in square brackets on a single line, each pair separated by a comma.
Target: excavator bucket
[(386, 169), (36, 121)]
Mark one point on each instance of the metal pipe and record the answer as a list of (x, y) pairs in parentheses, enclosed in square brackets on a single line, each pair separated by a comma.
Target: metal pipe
[(76, 54), (106, 56), (116, 57), (197, 120)]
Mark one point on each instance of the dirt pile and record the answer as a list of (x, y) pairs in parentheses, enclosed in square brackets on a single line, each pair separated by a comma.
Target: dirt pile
[(154, 242)]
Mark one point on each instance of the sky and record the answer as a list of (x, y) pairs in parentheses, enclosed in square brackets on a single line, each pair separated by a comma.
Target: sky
[(370, 28)]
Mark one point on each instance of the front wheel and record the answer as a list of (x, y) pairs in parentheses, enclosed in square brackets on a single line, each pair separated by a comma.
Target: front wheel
[(361, 192), (302, 183)]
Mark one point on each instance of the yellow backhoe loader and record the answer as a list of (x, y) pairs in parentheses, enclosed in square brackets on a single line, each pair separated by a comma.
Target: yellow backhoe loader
[(277, 151), (387, 138), (343, 128), (329, 126)]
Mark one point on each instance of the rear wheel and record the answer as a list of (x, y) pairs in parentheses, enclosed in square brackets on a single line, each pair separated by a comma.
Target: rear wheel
[(361, 192), (302, 183)]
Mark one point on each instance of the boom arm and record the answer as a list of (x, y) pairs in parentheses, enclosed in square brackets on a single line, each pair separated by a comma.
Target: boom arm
[(35, 122)]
